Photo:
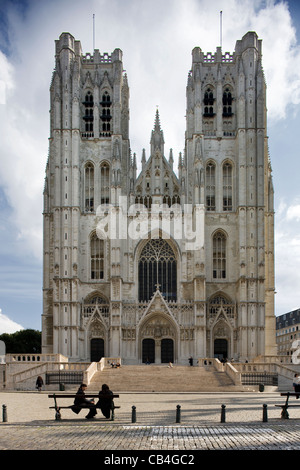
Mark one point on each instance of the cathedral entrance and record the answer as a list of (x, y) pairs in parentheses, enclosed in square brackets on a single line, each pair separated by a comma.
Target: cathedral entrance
[(221, 348), (97, 349), (167, 350), (148, 350)]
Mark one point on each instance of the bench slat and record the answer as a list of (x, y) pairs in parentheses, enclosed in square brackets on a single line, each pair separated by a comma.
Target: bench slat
[(71, 406), (87, 395)]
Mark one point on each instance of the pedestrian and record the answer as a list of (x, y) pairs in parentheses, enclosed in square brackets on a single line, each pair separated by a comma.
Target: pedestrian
[(105, 402), (39, 383), (191, 361), (81, 401)]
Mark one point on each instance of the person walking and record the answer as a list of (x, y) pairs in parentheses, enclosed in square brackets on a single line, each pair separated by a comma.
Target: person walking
[(39, 383)]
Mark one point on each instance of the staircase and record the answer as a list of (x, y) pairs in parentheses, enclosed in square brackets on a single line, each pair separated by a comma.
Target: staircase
[(161, 378)]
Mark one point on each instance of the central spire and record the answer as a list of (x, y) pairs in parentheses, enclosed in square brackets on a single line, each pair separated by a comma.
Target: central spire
[(157, 136)]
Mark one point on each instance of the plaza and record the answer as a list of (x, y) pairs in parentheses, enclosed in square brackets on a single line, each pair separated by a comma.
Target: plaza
[(31, 425)]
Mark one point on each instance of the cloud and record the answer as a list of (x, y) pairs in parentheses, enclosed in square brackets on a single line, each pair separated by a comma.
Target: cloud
[(287, 257), (7, 325), (293, 213)]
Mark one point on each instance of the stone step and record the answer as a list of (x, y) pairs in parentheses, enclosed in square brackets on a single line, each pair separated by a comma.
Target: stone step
[(161, 378)]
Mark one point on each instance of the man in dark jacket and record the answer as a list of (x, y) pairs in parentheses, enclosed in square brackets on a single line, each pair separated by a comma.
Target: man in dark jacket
[(81, 401)]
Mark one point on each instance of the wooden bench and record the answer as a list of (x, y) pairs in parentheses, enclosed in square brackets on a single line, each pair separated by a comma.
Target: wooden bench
[(286, 405), (73, 395)]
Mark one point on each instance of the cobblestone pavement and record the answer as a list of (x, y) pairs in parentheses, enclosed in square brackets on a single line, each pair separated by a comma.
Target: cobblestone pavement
[(31, 425)]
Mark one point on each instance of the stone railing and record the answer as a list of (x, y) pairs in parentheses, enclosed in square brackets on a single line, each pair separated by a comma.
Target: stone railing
[(18, 358)]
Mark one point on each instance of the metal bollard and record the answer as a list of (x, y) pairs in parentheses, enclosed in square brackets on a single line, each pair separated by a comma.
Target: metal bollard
[(223, 413), (265, 413), (4, 413), (178, 414), (133, 415)]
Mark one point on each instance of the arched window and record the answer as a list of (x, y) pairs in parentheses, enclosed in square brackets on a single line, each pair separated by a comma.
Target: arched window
[(157, 269), (97, 257), (208, 103), (104, 183), (218, 302), (210, 185), (89, 112), (89, 187), (105, 115), (227, 187), (219, 255), (227, 102)]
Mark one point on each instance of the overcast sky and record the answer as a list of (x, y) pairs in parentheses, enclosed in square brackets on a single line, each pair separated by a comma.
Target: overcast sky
[(156, 37)]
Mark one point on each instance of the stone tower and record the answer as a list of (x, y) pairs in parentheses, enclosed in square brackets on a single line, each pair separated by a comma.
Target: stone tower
[(161, 265)]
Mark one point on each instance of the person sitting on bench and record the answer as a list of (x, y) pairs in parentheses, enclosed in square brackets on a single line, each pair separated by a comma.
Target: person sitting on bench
[(105, 404), (296, 384), (82, 402)]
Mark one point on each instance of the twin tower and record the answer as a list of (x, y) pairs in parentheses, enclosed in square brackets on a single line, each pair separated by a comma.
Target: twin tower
[(161, 265)]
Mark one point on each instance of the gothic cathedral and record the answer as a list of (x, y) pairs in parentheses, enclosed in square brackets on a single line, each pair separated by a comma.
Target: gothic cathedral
[(164, 264)]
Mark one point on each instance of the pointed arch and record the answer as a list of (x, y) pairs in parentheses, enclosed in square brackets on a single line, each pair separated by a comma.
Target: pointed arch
[(219, 242), (104, 183), (106, 113), (89, 187), (227, 180), (210, 185), (227, 101), (209, 101), (157, 267), (88, 116), (97, 256)]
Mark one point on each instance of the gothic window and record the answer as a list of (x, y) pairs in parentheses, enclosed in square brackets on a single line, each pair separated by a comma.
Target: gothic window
[(89, 187), (227, 187), (220, 301), (157, 268), (209, 103), (89, 112), (219, 255), (210, 183), (227, 102), (105, 115), (97, 257), (104, 183), (96, 302)]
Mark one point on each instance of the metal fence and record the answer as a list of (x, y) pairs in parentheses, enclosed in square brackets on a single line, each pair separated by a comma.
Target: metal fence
[(256, 378), (64, 377)]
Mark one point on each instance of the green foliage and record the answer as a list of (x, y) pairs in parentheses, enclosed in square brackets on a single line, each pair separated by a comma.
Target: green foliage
[(23, 341)]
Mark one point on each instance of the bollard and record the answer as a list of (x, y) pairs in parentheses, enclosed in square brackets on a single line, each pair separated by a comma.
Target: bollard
[(265, 413), (133, 415), (4, 413), (223, 413), (178, 414)]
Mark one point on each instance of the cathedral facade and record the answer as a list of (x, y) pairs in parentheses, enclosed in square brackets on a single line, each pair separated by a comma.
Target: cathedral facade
[(164, 264)]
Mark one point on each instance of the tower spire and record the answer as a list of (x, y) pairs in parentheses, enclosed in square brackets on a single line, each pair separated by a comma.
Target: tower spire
[(157, 136)]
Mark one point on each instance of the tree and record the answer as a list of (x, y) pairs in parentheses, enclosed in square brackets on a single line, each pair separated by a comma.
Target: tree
[(23, 341)]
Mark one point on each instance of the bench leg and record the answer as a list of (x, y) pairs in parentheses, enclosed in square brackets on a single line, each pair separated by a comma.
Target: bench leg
[(57, 414), (284, 413), (112, 413)]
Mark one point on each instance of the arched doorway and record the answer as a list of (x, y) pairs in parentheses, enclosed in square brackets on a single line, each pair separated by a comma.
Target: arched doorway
[(221, 348), (97, 349), (148, 350), (167, 350)]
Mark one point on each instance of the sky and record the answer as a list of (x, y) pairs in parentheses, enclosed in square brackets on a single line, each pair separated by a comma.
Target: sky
[(157, 38)]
